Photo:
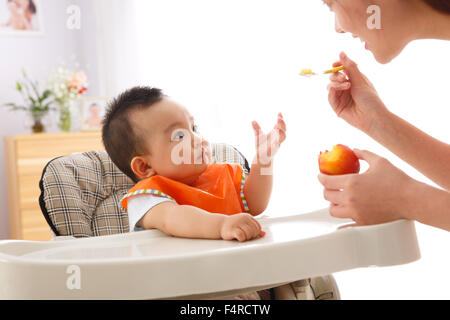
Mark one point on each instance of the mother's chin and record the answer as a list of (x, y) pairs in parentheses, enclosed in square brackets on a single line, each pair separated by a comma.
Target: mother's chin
[(386, 53), (383, 59)]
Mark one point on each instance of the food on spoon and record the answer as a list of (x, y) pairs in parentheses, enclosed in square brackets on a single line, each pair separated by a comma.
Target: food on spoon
[(306, 71), (340, 160)]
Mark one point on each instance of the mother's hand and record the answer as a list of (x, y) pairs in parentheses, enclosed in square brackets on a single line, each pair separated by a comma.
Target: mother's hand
[(353, 97), (373, 197)]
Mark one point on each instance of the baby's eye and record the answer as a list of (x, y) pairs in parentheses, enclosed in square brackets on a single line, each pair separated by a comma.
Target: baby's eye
[(177, 135), (195, 128)]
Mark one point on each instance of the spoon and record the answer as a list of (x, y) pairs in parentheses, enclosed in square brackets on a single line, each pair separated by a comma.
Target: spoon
[(309, 72)]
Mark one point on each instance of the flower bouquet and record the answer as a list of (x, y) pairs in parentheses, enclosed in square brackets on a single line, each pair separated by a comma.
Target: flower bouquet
[(66, 86)]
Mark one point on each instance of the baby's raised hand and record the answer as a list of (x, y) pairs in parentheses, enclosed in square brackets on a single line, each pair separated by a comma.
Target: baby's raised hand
[(267, 145), (241, 227)]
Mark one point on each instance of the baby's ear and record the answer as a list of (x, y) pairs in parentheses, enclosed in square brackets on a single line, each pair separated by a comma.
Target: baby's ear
[(142, 168)]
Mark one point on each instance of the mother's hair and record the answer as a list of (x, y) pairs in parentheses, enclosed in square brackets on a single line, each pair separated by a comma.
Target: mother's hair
[(440, 5)]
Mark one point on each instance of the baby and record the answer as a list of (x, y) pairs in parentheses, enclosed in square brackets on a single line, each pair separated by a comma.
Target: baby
[(17, 20), (155, 141)]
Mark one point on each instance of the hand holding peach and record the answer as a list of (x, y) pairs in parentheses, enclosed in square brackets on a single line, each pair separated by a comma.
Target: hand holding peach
[(375, 196)]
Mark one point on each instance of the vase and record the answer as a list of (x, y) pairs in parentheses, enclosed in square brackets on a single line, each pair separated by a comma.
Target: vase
[(38, 126), (65, 115), (35, 121)]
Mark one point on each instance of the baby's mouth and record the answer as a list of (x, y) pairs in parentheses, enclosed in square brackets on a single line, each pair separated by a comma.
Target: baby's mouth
[(205, 156), (202, 157)]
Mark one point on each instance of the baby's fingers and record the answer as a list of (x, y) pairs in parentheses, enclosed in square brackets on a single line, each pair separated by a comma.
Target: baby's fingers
[(249, 231), (280, 123), (256, 226), (256, 128), (280, 116), (281, 136), (239, 234), (280, 128)]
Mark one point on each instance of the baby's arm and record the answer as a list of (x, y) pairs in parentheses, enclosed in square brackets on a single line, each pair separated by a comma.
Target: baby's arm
[(191, 222), (258, 186)]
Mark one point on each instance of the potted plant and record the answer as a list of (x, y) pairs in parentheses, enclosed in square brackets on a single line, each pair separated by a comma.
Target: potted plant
[(35, 102)]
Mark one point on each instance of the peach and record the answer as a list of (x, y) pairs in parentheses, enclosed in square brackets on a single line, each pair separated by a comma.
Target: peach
[(340, 160)]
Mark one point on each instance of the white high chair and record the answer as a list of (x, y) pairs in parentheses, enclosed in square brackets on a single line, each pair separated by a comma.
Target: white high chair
[(80, 198)]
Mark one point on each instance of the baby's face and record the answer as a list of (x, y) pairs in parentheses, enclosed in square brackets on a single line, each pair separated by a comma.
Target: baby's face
[(175, 149), (24, 4), (12, 7)]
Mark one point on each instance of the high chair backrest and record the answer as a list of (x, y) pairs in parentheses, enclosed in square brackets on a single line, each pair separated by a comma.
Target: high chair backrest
[(81, 193)]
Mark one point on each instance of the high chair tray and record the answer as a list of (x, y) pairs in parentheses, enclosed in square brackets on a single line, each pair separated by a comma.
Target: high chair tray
[(151, 265)]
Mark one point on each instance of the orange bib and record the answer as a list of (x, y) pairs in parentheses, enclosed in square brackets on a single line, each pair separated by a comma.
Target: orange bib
[(219, 189)]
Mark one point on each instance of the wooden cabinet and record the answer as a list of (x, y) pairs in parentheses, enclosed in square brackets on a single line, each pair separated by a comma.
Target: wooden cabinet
[(26, 157)]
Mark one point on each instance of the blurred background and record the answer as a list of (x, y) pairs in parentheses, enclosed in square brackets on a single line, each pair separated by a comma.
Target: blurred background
[(231, 62)]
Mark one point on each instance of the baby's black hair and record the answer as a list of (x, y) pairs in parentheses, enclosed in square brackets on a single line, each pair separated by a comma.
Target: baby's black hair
[(120, 139)]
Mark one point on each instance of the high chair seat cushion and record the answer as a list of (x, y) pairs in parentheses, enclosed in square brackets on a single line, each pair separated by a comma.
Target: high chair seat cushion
[(81, 193)]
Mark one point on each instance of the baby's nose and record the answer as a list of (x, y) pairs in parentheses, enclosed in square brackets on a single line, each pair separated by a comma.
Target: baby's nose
[(197, 141)]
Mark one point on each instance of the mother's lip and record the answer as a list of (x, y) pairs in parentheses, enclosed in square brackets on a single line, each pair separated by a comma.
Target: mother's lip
[(356, 36)]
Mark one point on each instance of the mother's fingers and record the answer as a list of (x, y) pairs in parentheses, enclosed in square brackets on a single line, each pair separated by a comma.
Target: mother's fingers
[(333, 182), (339, 85), (338, 211), (338, 76), (334, 196), (367, 156), (332, 97)]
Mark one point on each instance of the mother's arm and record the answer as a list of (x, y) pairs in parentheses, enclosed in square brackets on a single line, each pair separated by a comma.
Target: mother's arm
[(355, 100), (425, 153)]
